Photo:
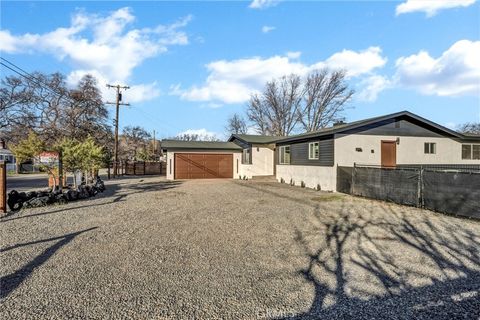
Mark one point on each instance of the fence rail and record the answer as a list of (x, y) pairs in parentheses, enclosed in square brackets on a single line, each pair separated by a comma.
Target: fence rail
[(452, 189)]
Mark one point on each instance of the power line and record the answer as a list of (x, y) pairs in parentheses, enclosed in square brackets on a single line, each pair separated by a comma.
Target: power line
[(13, 67)]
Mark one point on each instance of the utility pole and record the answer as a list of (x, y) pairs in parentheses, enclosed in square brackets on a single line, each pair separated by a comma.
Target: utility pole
[(117, 104), (154, 145)]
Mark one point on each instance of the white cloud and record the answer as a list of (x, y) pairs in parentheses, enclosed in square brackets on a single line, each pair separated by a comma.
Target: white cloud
[(211, 105), (451, 125), (455, 72), (355, 62), (262, 4), (142, 92), (294, 54), (430, 7), (267, 29), (136, 93), (372, 86), (107, 46), (234, 81)]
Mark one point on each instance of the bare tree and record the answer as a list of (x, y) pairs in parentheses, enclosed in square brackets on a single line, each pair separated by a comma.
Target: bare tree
[(470, 127), (325, 96), (314, 102), (236, 124), (43, 104), (195, 137), (276, 110), (15, 99), (85, 115), (134, 139)]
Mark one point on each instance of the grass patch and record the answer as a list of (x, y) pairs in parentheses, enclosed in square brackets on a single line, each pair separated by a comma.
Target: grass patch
[(328, 197)]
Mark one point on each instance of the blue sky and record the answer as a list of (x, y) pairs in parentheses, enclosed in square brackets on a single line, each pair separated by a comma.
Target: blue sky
[(193, 64)]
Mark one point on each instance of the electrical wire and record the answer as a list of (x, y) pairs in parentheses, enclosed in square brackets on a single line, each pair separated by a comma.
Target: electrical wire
[(13, 67)]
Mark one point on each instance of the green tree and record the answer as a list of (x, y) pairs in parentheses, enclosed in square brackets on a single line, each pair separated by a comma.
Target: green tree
[(93, 157), (28, 148), (71, 156)]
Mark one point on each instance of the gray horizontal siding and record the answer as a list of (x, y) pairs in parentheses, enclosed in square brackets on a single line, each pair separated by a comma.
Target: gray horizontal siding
[(399, 127), (299, 153), (242, 144)]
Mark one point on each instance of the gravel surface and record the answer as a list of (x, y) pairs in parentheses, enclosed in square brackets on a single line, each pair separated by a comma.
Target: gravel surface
[(152, 249)]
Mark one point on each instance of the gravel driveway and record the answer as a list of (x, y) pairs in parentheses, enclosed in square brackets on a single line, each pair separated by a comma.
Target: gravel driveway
[(152, 249)]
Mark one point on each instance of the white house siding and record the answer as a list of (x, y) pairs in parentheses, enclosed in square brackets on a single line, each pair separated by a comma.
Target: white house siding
[(410, 150), (262, 163), (312, 176), (237, 160)]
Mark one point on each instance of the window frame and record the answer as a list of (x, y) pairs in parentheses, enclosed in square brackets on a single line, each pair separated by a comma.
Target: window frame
[(247, 156), (427, 148), (282, 154), (471, 154), (313, 156)]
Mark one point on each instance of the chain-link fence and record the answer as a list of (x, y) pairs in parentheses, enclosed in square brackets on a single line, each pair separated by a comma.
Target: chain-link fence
[(447, 189)]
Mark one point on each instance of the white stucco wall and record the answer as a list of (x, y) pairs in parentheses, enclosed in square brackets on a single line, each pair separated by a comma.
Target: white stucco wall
[(262, 163), (410, 150), (326, 177), (237, 160)]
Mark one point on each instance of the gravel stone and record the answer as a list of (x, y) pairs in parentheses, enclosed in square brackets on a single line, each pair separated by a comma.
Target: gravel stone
[(148, 248)]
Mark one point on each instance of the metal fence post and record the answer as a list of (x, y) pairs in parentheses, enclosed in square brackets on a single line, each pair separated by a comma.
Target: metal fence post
[(353, 179), (422, 202), (3, 186)]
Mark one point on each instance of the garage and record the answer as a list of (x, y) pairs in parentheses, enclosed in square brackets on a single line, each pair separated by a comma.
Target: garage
[(201, 159), (203, 165)]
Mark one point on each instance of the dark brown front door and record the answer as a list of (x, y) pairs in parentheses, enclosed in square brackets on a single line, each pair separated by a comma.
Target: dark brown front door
[(389, 153), (203, 166)]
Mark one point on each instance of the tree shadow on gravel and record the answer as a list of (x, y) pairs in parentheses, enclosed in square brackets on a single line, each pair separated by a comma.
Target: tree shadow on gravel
[(373, 260), (117, 190), (368, 268), (10, 282)]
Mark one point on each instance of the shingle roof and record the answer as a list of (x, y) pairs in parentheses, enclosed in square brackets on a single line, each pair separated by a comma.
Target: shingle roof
[(253, 138), (353, 125), (204, 145)]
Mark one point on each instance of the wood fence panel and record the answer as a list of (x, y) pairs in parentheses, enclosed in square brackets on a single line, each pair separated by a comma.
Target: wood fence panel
[(141, 168)]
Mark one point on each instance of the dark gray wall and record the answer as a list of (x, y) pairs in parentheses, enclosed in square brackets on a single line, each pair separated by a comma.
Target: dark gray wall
[(242, 144), (299, 152), (398, 127)]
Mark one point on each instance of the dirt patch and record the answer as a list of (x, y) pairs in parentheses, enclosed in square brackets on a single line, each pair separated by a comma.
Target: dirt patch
[(329, 197)]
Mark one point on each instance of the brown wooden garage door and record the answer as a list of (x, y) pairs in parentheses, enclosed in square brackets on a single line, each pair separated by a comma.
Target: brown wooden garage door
[(203, 166)]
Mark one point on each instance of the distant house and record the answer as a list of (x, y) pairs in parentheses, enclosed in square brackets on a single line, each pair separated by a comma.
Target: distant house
[(392, 140), (7, 155)]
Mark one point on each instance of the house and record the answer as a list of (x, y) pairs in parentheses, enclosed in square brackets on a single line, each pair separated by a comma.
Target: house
[(258, 154), (201, 159), (7, 156), (392, 140), (312, 158)]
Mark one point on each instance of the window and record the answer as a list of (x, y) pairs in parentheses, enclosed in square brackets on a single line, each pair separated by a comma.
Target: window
[(471, 151), (246, 156), (476, 151), (285, 155), (313, 150), (430, 148)]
